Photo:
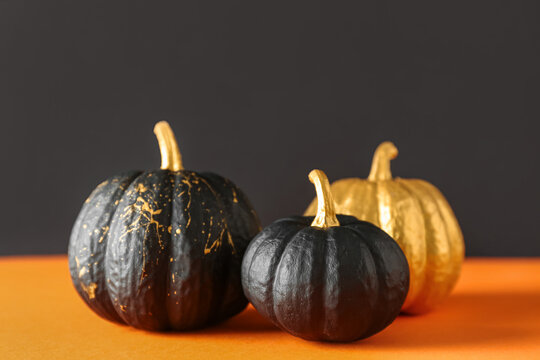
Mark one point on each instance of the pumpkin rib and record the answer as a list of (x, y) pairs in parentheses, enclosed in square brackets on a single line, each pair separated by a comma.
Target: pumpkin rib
[(435, 267), (367, 191), (278, 268), (367, 252), (101, 302), (384, 202), (330, 290), (226, 251), (429, 193), (106, 237), (377, 268), (259, 247), (442, 206), (344, 240), (217, 296), (379, 265), (202, 300), (448, 266), (455, 236), (197, 308), (179, 254), (137, 279), (413, 305), (417, 270)]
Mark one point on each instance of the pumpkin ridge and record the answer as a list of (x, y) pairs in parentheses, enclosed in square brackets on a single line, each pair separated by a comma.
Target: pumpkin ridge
[(241, 224), (189, 245), (447, 214), (315, 319), (414, 302), (330, 258), (377, 269), (434, 194), (101, 303), (425, 295), (107, 235), (383, 217), (175, 230), (381, 285), (139, 278), (278, 254), (226, 252), (418, 282), (284, 246)]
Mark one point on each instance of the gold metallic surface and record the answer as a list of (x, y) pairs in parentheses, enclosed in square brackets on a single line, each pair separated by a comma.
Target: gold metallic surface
[(170, 154), (326, 213), (417, 216)]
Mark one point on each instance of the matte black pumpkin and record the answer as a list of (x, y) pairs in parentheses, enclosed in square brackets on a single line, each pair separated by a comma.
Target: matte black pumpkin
[(162, 249), (326, 277)]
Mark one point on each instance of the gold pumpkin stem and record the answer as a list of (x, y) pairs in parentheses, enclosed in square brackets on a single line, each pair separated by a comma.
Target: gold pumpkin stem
[(326, 212), (170, 154), (380, 166)]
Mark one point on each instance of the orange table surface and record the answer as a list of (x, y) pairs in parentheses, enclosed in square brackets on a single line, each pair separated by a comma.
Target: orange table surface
[(494, 312)]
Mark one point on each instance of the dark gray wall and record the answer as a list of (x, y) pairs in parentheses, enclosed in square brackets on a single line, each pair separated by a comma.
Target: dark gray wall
[(262, 92)]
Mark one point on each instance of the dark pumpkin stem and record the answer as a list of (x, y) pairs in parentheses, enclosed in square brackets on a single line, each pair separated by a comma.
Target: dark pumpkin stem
[(170, 154), (380, 166), (326, 212)]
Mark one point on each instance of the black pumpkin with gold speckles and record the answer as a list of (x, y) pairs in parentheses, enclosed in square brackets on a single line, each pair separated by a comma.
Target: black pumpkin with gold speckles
[(162, 250)]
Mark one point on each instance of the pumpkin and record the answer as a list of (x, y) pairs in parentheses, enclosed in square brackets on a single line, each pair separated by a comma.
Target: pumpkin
[(417, 216), (329, 278), (162, 249)]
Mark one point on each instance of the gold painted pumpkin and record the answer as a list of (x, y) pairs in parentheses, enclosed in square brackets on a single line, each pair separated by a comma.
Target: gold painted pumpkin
[(417, 216)]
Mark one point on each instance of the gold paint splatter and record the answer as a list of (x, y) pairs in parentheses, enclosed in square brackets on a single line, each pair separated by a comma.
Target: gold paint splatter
[(215, 245), (82, 271), (105, 230), (141, 188), (102, 184), (90, 290), (235, 196), (146, 211), (188, 206)]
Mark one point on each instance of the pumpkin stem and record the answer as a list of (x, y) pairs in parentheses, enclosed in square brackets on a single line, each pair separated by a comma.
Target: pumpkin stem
[(326, 213), (170, 154), (380, 166)]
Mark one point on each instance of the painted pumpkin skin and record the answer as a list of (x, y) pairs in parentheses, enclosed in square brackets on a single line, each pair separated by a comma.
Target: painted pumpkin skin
[(339, 282), (417, 216), (162, 250)]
